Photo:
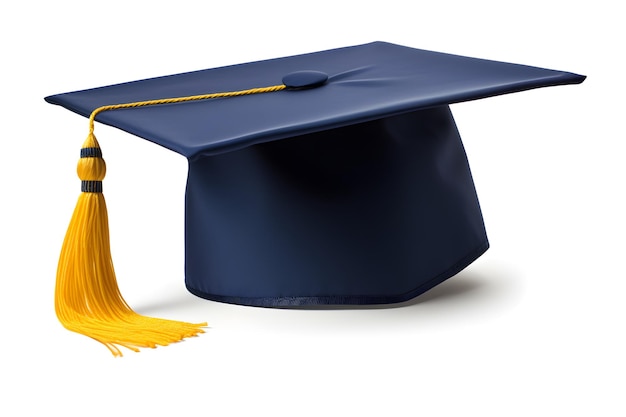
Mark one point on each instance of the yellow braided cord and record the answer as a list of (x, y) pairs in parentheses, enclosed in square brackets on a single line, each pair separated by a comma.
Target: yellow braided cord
[(87, 297), (173, 100)]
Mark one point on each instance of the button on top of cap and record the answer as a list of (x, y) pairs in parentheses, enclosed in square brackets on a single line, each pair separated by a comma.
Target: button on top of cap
[(304, 79)]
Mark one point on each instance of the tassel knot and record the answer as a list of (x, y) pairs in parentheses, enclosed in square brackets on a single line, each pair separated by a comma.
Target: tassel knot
[(91, 166)]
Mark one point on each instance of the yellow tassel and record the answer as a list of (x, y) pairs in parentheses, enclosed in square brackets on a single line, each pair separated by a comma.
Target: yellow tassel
[(87, 298)]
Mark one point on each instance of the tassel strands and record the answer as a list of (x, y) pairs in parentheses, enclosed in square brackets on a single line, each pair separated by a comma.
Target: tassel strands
[(87, 297)]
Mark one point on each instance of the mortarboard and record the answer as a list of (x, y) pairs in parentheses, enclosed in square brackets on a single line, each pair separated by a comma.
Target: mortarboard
[(336, 177)]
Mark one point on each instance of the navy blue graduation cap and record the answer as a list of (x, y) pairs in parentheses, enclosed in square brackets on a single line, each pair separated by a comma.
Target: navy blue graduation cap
[(343, 182)]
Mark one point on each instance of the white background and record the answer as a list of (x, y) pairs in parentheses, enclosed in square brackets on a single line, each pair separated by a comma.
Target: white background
[(534, 327)]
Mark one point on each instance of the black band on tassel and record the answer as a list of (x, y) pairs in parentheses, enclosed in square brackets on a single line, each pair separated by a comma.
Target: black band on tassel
[(91, 186), (91, 153)]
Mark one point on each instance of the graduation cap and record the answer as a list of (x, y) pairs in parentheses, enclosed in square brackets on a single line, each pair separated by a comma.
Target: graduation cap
[(335, 177)]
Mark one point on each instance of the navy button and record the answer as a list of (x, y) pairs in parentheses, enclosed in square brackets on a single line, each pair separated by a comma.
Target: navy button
[(304, 79)]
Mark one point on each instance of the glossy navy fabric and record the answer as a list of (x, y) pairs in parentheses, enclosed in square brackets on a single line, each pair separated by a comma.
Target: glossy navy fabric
[(377, 212), (350, 189), (365, 82)]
